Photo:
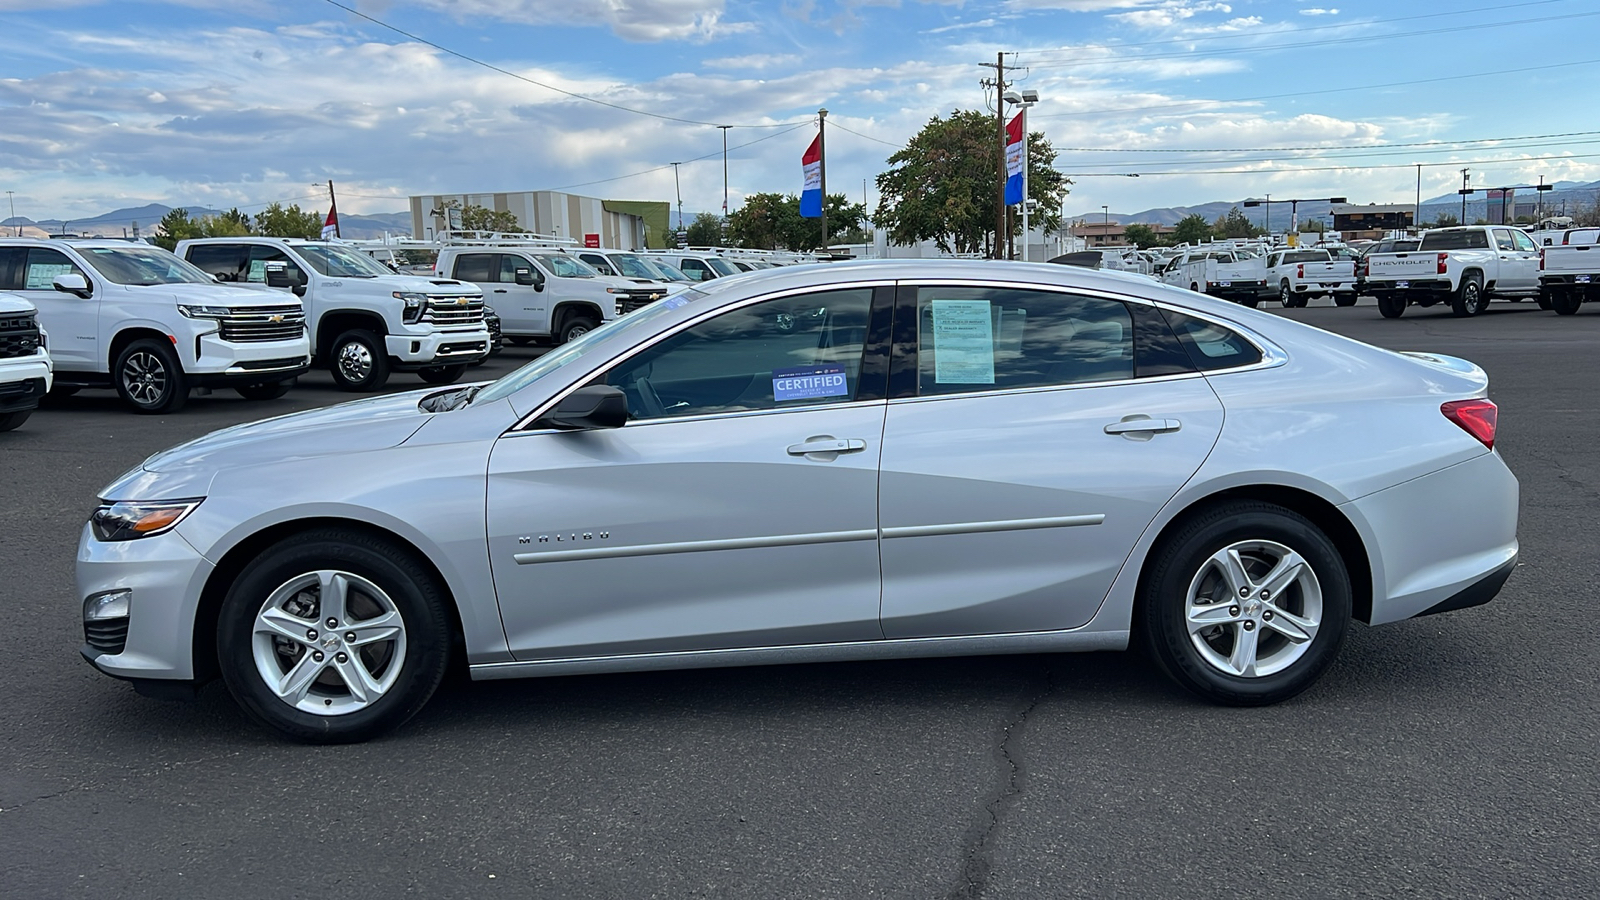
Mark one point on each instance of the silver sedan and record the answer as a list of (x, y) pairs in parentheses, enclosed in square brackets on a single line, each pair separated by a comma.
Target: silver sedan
[(825, 462)]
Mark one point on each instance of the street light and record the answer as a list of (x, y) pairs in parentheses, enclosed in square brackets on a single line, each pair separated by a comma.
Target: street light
[(1026, 100), (1105, 225)]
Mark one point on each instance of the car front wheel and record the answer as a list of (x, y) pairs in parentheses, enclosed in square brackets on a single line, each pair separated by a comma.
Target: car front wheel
[(266, 390), (441, 374), (576, 327), (1247, 604), (333, 636), (149, 377), (359, 361)]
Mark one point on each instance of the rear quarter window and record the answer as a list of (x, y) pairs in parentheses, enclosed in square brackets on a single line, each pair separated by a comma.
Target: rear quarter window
[(1211, 346)]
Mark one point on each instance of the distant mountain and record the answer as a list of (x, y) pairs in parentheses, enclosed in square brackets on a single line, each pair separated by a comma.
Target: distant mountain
[(120, 222)]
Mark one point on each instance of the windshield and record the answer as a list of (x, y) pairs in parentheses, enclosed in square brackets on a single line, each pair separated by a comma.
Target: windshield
[(668, 271), (340, 262), (633, 267), (575, 349), (143, 266), (722, 266), (566, 266)]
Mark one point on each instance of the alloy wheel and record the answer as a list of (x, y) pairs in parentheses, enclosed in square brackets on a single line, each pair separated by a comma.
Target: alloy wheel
[(1253, 609), (355, 362), (329, 642), (144, 377)]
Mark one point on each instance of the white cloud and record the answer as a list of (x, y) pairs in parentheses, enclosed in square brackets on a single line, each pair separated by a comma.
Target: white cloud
[(1319, 11), (754, 61), (632, 20), (961, 26), (1170, 13)]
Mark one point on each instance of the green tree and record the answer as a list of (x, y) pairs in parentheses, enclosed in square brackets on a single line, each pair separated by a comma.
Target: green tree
[(1443, 220), (291, 222), (232, 223), (1235, 225), (176, 226), (944, 185), (1313, 226), (1191, 229), (844, 218), (1141, 236), (482, 218), (705, 230), (764, 221)]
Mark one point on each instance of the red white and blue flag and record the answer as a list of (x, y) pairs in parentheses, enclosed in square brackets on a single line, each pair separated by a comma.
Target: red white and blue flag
[(330, 228), (1014, 160), (811, 194)]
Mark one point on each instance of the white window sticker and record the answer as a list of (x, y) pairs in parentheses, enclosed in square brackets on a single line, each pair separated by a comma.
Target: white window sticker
[(42, 276), (963, 342)]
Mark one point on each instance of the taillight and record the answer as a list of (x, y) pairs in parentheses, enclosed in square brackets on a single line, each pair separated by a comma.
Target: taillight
[(1300, 271), (1541, 260), (1476, 417), (1442, 258)]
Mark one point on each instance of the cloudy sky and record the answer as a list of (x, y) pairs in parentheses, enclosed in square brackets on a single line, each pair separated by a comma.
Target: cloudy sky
[(114, 104)]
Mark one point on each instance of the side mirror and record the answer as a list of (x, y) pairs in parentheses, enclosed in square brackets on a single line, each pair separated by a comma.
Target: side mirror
[(277, 274), (219, 277), (594, 406), (72, 283), (525, 277)]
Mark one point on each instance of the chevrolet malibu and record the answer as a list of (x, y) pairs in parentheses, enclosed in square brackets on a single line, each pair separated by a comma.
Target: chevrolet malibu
[(851, 461)]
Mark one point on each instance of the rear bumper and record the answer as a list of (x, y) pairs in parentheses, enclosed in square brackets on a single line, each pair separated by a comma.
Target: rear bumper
[(1444, 541), (1412, 289), (1237, 290)]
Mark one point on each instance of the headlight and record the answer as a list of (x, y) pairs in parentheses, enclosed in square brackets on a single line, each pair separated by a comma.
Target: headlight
[(416, 304), (204, 312), (616, 290), (127, 520)]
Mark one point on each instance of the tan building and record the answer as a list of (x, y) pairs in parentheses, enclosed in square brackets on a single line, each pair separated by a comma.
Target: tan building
[(619, 224), (1110, 234)]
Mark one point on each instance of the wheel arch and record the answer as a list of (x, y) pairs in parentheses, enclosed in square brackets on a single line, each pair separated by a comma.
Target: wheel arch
[(568, 308), (227, 569), (1323, 513), (336, 322), (132, 333)]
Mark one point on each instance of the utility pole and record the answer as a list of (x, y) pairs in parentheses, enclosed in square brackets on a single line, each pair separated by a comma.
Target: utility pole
[(724, 169), (1416, 217), (1000, 129), (1465, 180), (11, 196), (822, 169), (679, 188)]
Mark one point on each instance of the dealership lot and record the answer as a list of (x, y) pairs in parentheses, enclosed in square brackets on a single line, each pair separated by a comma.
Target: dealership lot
[(1449, 756)]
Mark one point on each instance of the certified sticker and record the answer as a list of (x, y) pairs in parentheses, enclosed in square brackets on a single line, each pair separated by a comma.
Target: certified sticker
[(809, 383)]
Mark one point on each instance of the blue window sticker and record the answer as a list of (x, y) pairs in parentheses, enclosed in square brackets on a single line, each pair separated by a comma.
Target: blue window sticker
[(674, 302), (809, 383)]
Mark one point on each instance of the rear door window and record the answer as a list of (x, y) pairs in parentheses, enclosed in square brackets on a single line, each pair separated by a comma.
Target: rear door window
[(475, 267), (224, 261)]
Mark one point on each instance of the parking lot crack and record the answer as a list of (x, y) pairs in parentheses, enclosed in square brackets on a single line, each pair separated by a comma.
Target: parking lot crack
[(983, 836)]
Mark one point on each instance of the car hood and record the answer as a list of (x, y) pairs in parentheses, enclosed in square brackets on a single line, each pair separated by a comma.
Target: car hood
[(363, 425), (215, 294)]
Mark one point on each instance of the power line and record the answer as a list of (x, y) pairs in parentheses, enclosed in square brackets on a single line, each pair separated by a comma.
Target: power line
[(1380, 155), (1298, 169), (1123, 60), (1339, 90), (1526, 137), (870, 137), (549, 87), (715, 153), (1272, 31)]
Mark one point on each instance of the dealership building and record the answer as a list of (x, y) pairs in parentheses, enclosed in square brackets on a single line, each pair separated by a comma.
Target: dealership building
[(616, 224)]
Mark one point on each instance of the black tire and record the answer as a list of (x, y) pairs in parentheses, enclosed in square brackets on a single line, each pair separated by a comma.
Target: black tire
[(1252, 302), (442, 374), (13, 420), (412, 591), (1565, 303), (1285, 295), (1469, 299), (266, 390), (1391, 306), (359, 361), (1344, 299), (149, 378), (1182, 560), (575, 327), (1195, 287), (1544, 300)]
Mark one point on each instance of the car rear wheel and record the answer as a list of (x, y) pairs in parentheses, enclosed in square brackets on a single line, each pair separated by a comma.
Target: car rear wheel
[(1285, 295), (1469, 299), (149, 378), (359, 361), (14, 420), (1344, 299), (1246, 604), (333, 636), (267, 390), (1391, 306), (1565, 303)]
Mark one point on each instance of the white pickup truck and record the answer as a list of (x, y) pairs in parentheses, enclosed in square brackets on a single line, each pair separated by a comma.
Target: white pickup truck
[(1229, 274), (1464, 266), (25, 372), (1296, 276), (135, 318), (1569, 272), (545, 292), (365, 320)]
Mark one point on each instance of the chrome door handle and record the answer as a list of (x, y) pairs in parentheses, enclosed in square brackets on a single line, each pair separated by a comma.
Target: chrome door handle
[(1144, 426), (499, 290), (827, 446)]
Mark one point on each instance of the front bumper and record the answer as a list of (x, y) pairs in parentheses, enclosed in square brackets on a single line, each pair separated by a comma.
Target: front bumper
[(218, 362), (24, 382), (1439, 539), (438, 348), (165, 576)]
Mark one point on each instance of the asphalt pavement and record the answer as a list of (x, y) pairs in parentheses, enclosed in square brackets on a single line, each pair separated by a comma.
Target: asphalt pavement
[(1452, 756)]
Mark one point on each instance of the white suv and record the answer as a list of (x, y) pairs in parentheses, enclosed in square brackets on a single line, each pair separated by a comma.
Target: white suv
[(545, 292), (25, 372), (365, 320), (138, 319)]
